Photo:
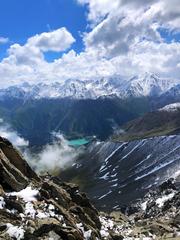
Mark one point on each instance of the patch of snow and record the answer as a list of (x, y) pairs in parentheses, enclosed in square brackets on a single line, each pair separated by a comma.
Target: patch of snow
[(114, 175), (158, 167), (105, 195), (105, 176), (176, 174), (47, 211), (41, 215), (171, 107), (143, 160), (28, 194), (107, 224), (132, 150), (2, 203), (160, 201), (115, 185), (144, 205), (29, 210), (15, 231), (86, 234), (103, 167), (114, 180)]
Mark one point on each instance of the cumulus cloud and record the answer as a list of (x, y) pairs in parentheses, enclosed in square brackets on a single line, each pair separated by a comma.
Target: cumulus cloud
[(58, 40), (127, 33), (32, 52), (7, 132), (125, 39), (4, 40), (164, 11), (98, 8), (27, 63), (131, 22)]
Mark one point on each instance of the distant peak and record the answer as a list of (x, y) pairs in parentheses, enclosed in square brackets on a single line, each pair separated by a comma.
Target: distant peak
[(171, 107)]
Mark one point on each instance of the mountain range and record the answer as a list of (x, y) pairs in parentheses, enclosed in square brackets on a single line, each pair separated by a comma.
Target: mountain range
[(147, 84), (79, 108)]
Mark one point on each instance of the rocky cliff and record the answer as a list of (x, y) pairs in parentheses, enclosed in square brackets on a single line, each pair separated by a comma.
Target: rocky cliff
[(36, 208)]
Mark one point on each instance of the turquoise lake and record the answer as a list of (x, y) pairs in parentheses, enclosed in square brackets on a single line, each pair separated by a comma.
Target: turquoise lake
[(78, 142)]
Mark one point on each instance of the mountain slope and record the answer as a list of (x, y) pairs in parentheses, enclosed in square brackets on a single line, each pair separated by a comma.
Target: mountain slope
[(33, 207), (170, 96), (165, 121), (114, 174), (35, 120)]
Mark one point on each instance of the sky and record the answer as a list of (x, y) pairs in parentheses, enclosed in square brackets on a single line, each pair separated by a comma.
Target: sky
[(53, 40)]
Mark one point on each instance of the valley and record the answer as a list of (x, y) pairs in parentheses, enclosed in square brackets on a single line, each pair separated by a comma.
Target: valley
[(116, 174), (116, 147)]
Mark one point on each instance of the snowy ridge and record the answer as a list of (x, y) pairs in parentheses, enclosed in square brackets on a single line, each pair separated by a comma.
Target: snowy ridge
[(171, 107), (143, 85)]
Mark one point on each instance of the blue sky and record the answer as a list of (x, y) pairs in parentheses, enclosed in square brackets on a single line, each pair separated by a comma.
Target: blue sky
[(169, 36), (54, 40), (21, 19)]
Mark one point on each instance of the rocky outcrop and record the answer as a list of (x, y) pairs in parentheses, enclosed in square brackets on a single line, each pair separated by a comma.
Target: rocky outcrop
[(156, 216), (14, 170), (35, 208), (41, 208)]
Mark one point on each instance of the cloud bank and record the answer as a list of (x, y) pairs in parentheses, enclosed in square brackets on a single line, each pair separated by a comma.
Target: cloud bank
[(7, 132), (126, 37), (53, 157)]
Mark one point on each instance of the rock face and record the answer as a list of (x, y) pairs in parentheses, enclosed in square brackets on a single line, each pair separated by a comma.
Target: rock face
[(14, 170), (41, 208)]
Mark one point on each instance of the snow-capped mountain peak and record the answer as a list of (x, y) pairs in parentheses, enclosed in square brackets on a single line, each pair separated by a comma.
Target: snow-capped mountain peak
[(147, 84)]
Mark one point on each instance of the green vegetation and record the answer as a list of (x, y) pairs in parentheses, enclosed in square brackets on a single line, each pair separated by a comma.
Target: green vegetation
[(36, 120), (158, 123)]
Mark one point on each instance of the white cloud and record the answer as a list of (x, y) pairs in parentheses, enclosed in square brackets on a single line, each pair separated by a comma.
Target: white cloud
[(128, 34), (131, 22), (124, 39), (164, 11), (58, 40), (26, 62), (11, 135), (32, 52), (4, 40), (99, 8), (53, 157)]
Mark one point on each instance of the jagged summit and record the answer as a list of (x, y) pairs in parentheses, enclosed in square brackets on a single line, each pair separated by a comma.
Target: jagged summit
[(147, 84)]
